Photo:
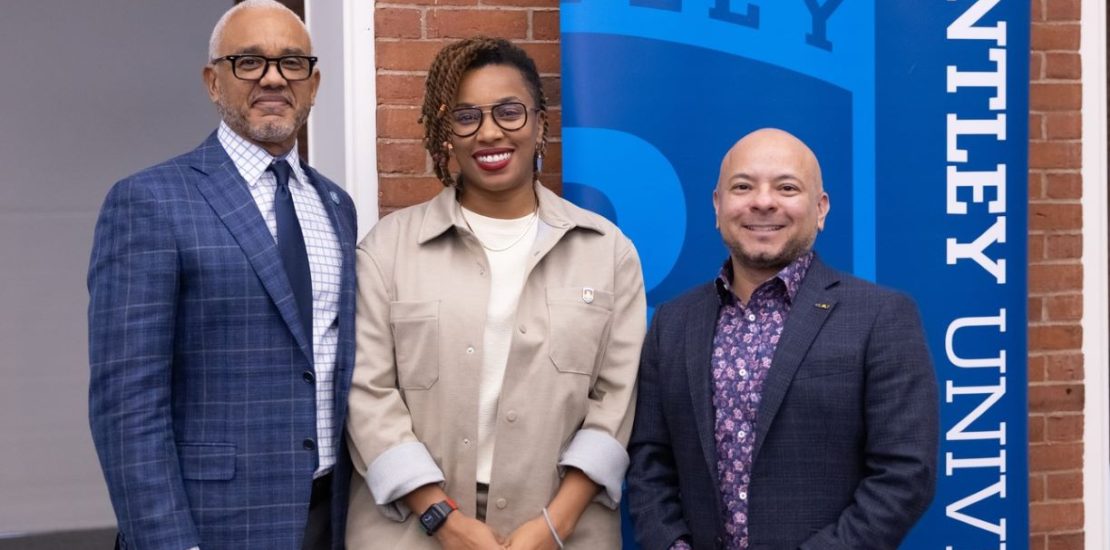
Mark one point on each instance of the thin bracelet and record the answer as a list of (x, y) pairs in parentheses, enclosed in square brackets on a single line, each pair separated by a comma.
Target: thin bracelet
[(551, 526)]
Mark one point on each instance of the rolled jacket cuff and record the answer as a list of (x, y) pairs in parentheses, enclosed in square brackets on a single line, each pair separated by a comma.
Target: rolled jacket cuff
[(399, 471), (602, 458)]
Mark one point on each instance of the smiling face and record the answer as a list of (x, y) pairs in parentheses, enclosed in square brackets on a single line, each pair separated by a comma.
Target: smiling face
[(270, 111), (769, 202), (496, 164)]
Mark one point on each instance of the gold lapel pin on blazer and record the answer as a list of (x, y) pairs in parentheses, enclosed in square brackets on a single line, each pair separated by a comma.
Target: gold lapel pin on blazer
[(823, 306)]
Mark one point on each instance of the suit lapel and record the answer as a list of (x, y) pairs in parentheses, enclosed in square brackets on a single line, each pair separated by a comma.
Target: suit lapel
[(811, 307), (228, 195), (699, 364)]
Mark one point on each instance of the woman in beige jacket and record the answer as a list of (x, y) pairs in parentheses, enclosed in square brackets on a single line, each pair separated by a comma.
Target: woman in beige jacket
[(498, 338)]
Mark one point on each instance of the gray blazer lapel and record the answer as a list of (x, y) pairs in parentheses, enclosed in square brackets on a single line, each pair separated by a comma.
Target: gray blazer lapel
[(228, 195), (811, 307), (699, 364)]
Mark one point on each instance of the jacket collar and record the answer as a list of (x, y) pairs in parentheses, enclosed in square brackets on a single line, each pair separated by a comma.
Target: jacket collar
[(444, 212)]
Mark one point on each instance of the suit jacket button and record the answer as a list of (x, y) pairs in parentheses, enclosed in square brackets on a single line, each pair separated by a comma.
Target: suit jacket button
[(308, 376), (501, 503), (309, 444)]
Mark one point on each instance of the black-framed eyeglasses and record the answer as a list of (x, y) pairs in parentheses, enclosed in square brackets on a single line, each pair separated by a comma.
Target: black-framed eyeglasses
[(254, 67), (509, 116)]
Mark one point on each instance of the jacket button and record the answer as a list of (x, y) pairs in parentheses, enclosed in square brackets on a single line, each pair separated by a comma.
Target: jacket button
[(511, 416), (309, 444), (501, 503), (308, 376), (469, 350)]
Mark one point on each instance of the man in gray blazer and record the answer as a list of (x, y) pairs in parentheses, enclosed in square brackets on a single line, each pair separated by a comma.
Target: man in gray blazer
[(784, 404)]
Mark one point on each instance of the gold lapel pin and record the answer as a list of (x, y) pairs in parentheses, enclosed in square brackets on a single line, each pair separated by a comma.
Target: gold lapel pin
[(823, 306)]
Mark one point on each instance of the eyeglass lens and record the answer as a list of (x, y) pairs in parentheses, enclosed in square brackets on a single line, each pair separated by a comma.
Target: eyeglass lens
[(291, 67), (512, 116)]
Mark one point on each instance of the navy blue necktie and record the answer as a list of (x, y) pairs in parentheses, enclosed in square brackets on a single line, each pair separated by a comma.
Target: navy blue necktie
[(290, 243)]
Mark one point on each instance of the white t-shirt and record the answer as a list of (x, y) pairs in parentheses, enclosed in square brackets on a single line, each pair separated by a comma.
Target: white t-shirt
[(507, 244)]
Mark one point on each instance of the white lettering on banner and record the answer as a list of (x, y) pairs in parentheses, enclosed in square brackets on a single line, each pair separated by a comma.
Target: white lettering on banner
[(975, 445)]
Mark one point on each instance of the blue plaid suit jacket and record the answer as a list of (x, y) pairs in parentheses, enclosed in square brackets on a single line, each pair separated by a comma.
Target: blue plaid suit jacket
[(846, 433), (199, 404)]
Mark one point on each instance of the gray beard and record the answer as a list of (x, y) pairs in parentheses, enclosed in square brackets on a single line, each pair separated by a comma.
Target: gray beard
[(270, 132)]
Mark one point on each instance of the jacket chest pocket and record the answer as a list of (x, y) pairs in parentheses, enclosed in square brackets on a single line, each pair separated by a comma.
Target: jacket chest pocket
[(579, 320), (415, 328)]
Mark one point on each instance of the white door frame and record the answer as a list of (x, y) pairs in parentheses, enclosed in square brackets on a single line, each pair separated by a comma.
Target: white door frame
[(1096, 430), (342, 133)]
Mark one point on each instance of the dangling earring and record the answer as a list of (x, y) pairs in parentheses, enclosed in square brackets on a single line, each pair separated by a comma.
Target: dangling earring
[(539, 163)]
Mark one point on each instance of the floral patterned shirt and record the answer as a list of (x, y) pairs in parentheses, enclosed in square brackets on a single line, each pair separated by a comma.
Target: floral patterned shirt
[(743, 345)]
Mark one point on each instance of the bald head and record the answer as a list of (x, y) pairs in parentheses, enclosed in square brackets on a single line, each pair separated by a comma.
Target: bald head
[(772, 147)]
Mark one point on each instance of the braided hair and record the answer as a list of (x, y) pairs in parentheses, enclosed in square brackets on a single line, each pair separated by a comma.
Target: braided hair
[(444, 76)]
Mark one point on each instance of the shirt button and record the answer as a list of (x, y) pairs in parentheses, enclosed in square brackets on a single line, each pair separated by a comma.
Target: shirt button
[(523, 329), (511, 416), (743, 373), (751, 317), (309, 444), (501, 503), (308, 376), (469, 350), (466, 442), (743, 495)]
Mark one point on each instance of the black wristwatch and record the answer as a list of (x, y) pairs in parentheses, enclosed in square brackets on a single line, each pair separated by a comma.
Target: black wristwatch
[(436, 515)]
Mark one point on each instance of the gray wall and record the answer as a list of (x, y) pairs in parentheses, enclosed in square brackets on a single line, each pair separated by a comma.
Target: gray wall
[(90, 92)]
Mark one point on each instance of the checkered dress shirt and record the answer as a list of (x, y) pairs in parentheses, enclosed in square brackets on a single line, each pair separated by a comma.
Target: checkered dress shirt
[(324, 259)]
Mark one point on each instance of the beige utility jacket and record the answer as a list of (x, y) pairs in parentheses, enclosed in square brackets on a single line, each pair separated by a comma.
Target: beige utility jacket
[(568, 394)]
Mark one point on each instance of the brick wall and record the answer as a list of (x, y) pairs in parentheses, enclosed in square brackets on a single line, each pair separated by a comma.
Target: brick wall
[(1055, 279), (408, 35)]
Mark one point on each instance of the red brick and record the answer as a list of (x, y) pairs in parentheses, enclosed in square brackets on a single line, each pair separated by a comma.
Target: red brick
[(1036, 126), (397, 89), (1055, 516), (1036, 66), (1062, 10), (438, 3), (465, 23), (1036, 184), (1063, 126), (1036, 248), (396, 23), (407, 55), (406, 191), (1065, 541), (1055, 337), (1036, 435), (1035, 309), (1055, 96), (1055, 216), (1051, 154), (551, 4), (1038, 541), (1055, 277), (1055, 36), (1055, 457), (399, 122), (1038, 11), (545, 25), (545, 54), (552, 89), (1065, 307), (1064, 247), (1064, 428), (1064, 367), (405, 157), (1062, 65), (1064, 185), (1056, 398)]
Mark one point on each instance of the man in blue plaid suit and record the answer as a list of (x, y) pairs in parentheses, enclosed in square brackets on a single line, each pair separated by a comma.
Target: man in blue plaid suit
[(221, 318)]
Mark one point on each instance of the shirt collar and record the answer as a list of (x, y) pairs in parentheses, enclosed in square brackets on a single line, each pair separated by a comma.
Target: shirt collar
[(252, 160), (791, 276), (444, 213)]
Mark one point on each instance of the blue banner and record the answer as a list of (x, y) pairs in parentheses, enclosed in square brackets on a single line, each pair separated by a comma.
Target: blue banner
[(918, 113)]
